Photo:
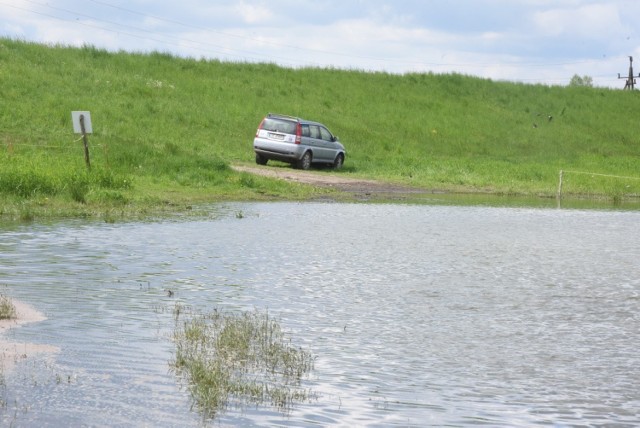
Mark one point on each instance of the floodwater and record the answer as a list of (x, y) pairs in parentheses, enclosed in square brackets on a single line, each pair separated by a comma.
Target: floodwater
[(418, 315)]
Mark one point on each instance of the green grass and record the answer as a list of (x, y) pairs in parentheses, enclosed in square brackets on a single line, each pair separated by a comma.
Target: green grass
[(167, 129), (238, 357)]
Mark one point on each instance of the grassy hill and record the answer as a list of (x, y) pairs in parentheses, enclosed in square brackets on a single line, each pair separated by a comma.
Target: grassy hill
[(166, 130)]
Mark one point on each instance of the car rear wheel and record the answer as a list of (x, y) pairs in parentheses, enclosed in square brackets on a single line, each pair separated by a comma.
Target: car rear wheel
[(305, 162), (337, 164), (261, 160)]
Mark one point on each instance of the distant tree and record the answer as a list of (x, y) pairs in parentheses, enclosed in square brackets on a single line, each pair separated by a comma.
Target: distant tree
[(581, 81)]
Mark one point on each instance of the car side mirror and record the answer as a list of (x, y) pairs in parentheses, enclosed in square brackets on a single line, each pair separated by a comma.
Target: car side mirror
[(334, 138)]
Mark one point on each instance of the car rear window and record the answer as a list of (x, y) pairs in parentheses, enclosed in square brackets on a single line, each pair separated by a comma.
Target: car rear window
[(279, 125)]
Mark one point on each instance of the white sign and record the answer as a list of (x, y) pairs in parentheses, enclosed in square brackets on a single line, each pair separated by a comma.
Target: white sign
[(75, 118)]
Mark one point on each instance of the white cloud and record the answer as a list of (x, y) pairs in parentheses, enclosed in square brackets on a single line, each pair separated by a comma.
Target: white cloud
[(589, 21), (253, 13), (491, 36), (543, 41)]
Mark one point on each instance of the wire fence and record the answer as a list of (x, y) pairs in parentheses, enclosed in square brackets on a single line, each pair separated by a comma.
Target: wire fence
[(64, 150), (11, 147), (602, 175), (592, 174)]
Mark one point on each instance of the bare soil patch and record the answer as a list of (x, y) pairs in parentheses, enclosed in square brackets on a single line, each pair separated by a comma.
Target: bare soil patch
[(358, 187), (12, 352)]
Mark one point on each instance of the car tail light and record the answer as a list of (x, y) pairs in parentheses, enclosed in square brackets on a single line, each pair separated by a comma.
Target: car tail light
[(298, 134), (259, 128)]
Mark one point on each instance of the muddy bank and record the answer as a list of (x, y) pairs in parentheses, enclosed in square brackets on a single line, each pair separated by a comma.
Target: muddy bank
[(13, 352)]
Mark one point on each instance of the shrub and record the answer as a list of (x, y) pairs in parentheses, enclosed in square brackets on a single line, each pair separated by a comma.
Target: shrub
[(581, 81)]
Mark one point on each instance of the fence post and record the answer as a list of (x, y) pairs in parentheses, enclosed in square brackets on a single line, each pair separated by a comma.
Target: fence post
[(559, 194)]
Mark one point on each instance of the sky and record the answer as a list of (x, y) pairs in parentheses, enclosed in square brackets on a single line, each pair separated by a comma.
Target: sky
[(530, 41)]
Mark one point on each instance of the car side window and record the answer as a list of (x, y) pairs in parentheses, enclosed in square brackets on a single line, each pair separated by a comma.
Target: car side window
[(315, 131), (305, 131), (326, 135)]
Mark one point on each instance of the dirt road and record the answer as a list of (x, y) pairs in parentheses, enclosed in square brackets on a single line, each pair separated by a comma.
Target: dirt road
[(360, 188)]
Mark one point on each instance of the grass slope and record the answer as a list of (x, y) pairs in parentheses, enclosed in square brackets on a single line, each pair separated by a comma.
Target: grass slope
[(166, 130)]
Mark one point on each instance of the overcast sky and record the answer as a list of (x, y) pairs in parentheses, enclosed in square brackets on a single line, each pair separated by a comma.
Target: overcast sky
[(531, 41)]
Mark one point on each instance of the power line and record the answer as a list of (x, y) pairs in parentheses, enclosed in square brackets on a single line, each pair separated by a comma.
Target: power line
[(225, 51), (349, 55), (167, 39), (238, 36), (260, 56)]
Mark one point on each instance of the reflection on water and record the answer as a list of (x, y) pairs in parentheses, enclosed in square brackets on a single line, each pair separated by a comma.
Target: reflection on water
[(419, 315)]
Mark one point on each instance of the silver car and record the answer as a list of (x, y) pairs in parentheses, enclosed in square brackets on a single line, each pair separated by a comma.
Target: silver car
[(296, 141)]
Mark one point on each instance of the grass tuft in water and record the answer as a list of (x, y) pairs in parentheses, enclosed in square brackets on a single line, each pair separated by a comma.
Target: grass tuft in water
[(7, 308), (239, 357)]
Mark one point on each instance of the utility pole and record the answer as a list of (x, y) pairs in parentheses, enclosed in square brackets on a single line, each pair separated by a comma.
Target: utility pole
[(631, 79)]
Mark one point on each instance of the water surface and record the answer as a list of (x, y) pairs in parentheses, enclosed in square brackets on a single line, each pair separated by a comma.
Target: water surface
[(418, 315)]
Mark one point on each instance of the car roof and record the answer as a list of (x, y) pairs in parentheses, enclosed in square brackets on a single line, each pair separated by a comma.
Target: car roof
[(293, 118)]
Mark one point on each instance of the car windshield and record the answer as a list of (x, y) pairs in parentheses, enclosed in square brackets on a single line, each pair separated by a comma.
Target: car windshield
[(279, 125)]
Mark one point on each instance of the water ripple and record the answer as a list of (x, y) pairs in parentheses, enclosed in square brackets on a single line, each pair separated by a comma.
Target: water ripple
[(418, 315)]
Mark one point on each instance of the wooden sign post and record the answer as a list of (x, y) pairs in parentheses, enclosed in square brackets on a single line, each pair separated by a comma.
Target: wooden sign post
[(82, 125)]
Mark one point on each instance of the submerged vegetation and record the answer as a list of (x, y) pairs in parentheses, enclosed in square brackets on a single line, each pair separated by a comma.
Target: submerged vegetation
[(166, 131), (240, 358), (7, 308)]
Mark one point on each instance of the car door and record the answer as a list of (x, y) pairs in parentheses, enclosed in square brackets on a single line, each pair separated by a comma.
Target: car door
[(328, 145), (316, 143)]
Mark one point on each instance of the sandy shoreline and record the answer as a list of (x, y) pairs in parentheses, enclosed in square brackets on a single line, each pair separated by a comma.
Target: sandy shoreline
[(13, 352)]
